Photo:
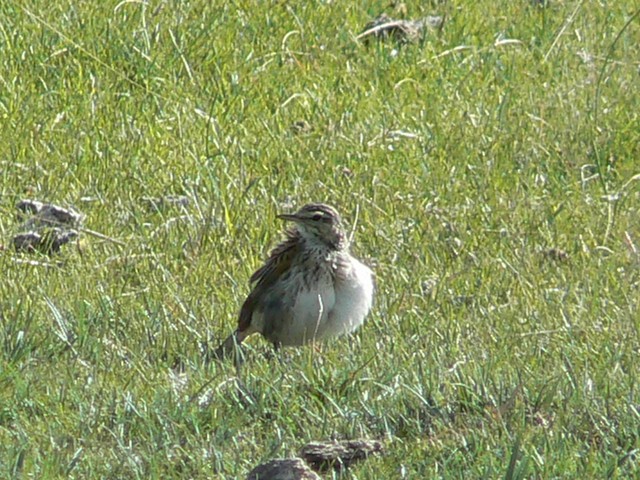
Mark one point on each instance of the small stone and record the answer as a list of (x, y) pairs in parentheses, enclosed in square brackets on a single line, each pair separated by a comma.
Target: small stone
[(301, 127), (347, 172), (165, 202), (556, 255), (338, 455), (283, 469), (428, 285), (27, 242), (47, 242), (176, 200), (29, 206), (384, 27), (47, 214)]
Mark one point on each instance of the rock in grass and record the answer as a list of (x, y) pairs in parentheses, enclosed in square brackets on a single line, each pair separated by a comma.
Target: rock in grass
[(47, 214), (158, 204), (338, 455), (384, 27), (46, 227), (47, 241), (301, 127), (556, 255), (283, 469)]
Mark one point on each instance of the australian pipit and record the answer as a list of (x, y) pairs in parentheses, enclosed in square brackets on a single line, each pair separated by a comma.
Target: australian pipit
[(309, 289)]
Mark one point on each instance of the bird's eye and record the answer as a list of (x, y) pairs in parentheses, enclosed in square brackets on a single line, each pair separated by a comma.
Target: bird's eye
[(317, 217)]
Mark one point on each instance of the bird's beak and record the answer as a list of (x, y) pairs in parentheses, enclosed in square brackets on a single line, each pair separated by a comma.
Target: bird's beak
[(289, 217)]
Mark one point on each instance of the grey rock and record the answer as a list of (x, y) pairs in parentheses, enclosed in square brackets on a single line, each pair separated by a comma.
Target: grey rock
[(283, 469), (339, 454)]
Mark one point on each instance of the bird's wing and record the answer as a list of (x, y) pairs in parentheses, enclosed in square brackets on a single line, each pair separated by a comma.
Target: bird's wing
[(278, 263)]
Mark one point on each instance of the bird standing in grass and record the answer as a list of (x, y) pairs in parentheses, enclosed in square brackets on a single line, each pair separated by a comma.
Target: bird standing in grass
[(309, 289)]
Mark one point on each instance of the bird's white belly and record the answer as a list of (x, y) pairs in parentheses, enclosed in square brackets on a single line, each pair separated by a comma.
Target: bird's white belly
[(309, 315), (353, 300), (333, 307)]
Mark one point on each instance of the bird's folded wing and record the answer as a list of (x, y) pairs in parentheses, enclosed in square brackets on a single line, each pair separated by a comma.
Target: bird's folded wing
[(267, 276)]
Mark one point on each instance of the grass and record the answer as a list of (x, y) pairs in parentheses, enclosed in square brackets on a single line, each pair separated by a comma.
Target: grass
[(485, 356)]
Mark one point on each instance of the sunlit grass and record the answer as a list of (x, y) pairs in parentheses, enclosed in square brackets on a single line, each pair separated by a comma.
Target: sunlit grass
[(469, 161)]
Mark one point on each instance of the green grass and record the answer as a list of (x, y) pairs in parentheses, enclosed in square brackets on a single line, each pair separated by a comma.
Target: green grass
[(482, 359)]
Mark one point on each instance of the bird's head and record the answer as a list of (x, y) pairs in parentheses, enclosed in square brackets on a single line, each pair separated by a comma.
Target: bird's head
[(319, 223)]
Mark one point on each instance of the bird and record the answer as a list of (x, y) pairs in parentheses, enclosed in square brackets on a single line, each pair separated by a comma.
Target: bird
[(309, 289)]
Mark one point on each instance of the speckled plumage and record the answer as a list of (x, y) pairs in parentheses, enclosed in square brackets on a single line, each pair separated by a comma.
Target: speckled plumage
[(310, 288)]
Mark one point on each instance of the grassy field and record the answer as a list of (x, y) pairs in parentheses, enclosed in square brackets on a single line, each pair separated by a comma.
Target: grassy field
[(490, 173)]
